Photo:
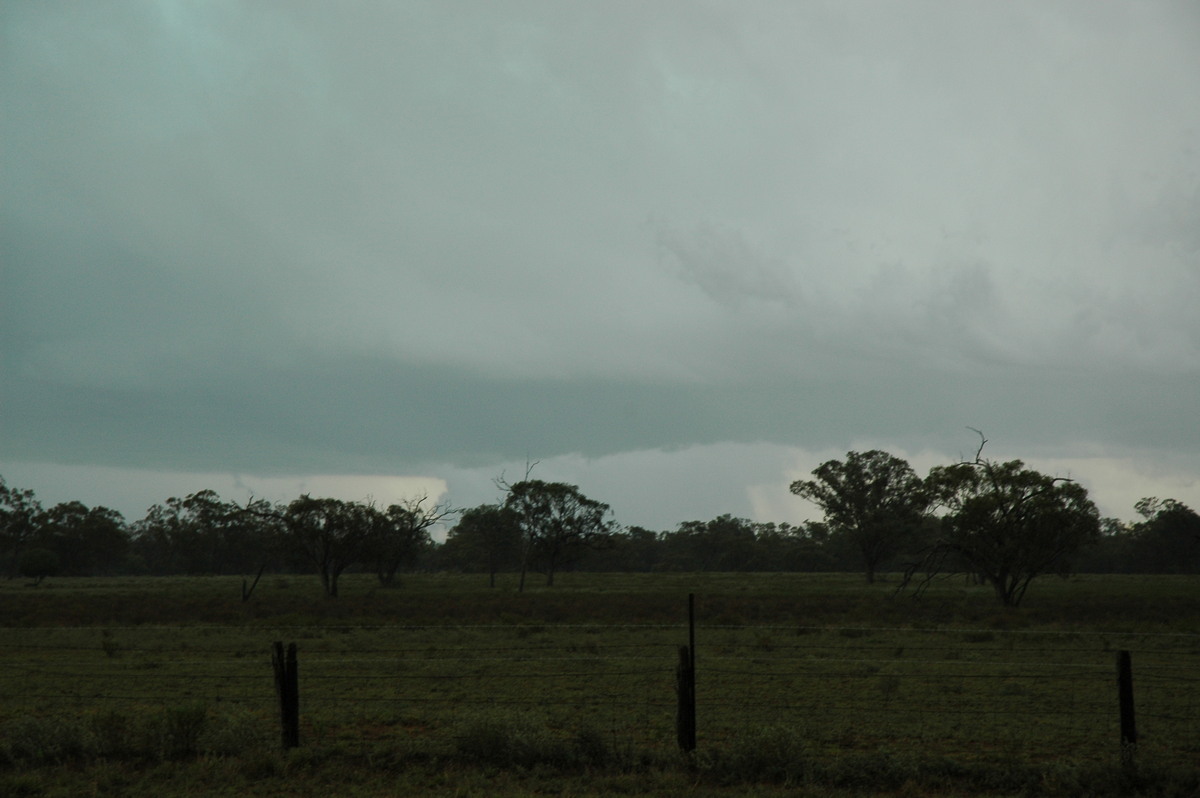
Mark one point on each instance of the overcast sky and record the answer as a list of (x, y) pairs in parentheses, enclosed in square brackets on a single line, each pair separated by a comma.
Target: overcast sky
[(679, 253)]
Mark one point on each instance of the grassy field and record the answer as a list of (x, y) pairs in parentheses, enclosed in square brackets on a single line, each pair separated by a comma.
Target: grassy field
[(816, 682)]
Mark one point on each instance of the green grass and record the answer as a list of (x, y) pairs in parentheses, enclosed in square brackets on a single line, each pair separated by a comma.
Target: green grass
[(164, 686)]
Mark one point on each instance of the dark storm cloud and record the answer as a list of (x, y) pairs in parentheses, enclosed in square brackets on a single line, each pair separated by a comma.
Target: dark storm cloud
[(311, 238)]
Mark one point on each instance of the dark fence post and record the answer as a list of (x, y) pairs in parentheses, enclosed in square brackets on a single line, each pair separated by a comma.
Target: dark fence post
[(692, 663), (1125, 699), (692, 640), (287, 686), (685, 688), (685, 685)]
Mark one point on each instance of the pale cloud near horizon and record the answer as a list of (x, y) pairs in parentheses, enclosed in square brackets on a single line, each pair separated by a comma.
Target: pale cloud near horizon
[(679, 252)]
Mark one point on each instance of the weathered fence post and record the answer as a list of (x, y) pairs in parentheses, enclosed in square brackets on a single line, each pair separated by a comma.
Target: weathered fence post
[(287, 686), (685, 688), (685, 685), (1125, 700)]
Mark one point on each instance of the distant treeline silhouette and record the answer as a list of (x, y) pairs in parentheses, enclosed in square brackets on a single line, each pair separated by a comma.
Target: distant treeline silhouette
[(204, 534)]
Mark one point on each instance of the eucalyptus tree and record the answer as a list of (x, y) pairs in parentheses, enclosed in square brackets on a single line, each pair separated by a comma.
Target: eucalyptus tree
[(329, 534), (37, 564), (1007, 524), (874, 500), (725, 543), (1168, 539), (88, 540), (400, 534), (555, 518), (204, 534), (486, 538), (19, 512)]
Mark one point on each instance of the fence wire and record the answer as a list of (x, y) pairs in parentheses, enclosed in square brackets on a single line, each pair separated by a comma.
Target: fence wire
[(963, 693)]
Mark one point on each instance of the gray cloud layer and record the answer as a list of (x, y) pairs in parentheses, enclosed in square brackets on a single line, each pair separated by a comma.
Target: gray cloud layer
[(394, 237)]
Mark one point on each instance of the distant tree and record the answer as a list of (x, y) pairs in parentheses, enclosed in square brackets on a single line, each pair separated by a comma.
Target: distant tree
[(329, 534), (400, 535), (88, 541), (555, 518), (1168, 539), (634, 549), (794, 548), (486, 538), (873, 499), (723, 544), (37, 564), (1007, 524), (19, 513), (203, 534), (153, 540)]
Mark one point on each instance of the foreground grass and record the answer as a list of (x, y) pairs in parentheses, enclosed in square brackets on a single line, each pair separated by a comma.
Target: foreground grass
[(1097, 602), (319, 774), (816, 683)]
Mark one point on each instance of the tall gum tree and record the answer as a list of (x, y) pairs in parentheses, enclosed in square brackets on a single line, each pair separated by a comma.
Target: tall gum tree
[(554, 518), (1007, 524), (400, 534), (873, 499), (329, 533)]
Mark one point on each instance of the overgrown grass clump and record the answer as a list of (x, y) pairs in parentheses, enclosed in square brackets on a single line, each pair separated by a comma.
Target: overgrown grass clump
[(161, 734), (525, 740)]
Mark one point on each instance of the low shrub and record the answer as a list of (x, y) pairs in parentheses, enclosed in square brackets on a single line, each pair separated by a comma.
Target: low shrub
[(525, 740), (175, 733), (509, 740), (773, 753), (44, 741), (236, 732)]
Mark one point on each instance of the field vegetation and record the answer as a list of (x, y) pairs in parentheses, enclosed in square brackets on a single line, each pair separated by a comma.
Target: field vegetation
[(817, 683)]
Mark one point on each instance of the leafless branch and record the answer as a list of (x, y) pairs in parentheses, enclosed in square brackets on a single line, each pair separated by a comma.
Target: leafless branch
[(982, 443), (503, 484)]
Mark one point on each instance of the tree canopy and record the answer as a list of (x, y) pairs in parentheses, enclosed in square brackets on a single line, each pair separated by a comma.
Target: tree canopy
[(555, 519), (873, 499), (1007, 524)]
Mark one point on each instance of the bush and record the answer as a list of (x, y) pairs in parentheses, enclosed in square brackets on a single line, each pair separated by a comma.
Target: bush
[(509, 740), (773, 753), (37, 564), (114, 732), (140, 733), (164, 734), (236, 732), (176, 732), (44, 741), (525, 740)]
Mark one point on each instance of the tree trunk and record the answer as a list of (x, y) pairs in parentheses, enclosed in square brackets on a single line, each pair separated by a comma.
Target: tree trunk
[(387, 574), (1005, 591)]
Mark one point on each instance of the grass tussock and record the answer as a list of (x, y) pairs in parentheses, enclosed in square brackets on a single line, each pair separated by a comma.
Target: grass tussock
[(783, 755), (161, 734), (525, 740)]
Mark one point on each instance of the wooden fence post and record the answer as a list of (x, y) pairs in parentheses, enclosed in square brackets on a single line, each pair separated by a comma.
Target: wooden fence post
[(685, 685), (287, 686), (685, 689), (1125, 701)]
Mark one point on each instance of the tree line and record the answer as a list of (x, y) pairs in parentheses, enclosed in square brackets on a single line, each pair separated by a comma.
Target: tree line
[(1000, 523)]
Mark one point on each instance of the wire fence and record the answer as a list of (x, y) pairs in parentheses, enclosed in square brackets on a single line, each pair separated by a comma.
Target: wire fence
[(957, 693)]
